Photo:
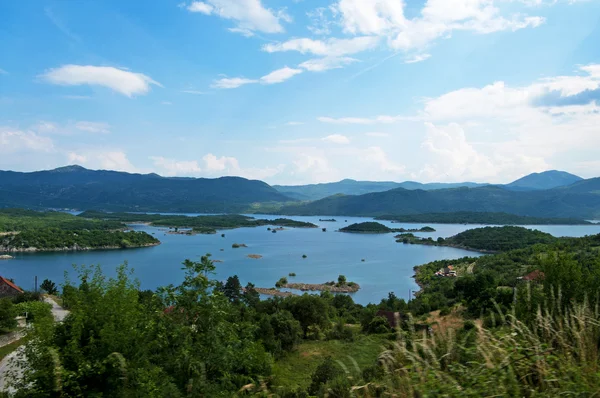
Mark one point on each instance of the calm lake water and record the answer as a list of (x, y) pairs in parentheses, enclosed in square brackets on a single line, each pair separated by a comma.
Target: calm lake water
[(388, 266)]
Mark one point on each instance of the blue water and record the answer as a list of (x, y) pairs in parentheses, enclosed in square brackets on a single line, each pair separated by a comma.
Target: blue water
[(388, 265)]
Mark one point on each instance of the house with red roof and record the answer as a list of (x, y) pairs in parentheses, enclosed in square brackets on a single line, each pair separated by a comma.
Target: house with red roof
[(8, 288)]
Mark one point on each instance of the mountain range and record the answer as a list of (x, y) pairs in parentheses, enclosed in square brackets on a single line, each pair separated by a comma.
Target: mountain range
[(536, 181), (578, 200), (548, 194), (80, 188)]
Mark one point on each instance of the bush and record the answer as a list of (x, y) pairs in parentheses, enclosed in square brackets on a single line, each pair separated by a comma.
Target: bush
[(378, 325), (468, 325), (49, 287), (445, 311), (340, 332), (8, 312), (36, 310), (327, 371)]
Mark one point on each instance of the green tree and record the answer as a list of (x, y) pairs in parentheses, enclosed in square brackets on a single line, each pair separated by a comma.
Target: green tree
[(309, 310), (341, 280), (327, 371), (49, 287), (8, 312)]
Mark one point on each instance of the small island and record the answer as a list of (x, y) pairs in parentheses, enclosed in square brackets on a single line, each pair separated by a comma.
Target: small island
[(341, 286), (371, 227), (198, 224), (485, 240), (5, 257), (254, 256), (328, 220), (238, 245)]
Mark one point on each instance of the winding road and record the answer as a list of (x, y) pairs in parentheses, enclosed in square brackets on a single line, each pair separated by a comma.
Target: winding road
[(9, 366)]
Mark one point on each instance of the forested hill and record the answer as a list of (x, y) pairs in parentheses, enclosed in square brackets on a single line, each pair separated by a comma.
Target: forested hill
[(353, 187), (77, 187), (546, 180), (579, 200)]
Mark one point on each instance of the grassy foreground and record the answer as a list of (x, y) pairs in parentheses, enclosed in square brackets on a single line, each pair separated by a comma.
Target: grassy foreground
[(296, 368)]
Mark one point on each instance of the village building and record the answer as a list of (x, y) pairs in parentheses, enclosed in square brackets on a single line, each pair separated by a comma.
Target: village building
[(8, 289)]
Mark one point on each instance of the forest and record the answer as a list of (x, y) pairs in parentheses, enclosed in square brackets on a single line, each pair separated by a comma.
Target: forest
[(51, 230), (216, 338), (486, 239), (472, 217), (208, 224)]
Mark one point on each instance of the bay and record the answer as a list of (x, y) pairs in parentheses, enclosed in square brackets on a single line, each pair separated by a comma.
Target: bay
[(387, 266)]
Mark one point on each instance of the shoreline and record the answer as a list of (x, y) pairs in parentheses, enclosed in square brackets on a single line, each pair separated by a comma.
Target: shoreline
[(70, 249)]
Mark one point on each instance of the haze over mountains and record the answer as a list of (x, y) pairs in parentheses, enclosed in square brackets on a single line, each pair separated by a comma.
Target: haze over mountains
[(545, 180), (80, 188)]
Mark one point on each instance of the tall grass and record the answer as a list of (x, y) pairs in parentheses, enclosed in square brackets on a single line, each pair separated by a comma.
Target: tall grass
[(555, 354)]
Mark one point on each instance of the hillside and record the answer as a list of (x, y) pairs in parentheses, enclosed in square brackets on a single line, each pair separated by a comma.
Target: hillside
[(472, 217), (77, 187), (580, 200), (353, 187), (545, 180)]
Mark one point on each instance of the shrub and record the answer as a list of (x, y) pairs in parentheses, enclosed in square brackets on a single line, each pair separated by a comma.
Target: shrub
[(325, 372), (445, 311)]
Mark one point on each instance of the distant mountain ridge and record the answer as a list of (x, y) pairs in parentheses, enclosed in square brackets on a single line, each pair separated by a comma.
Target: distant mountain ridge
[(545, 180), (77, 187), (353, 187), (578, 200)]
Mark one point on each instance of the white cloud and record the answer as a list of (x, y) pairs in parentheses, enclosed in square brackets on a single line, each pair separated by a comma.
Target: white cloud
[(75, 158), (198, 6), (330, 47), (212, 166), (294, 123), (378, 156), (242, 31), (195, 92), (326, 63), (3, 72), (102, 159), (232, 82), (417, 58), (93, 127), (171, 167), (277, 76), (320, 23), (250, 15), (336, 139), (280, 75), (383, 119), (437, 19), (17, 141), (377, 134), (45, 127), (119, 80)]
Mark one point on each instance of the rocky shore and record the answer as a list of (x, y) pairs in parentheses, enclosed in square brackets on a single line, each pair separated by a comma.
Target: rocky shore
[(68, 249), (311, 287), (273, 292), (5, 257)]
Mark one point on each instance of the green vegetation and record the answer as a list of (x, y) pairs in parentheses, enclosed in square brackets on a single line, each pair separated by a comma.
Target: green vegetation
[(369, 227), (487, 239), (9, 348), (18, 220), (580, 200), (469, 217), (51, 239), (201, 224), (40, 231), (49, 287), (75, 187), (281, 282)]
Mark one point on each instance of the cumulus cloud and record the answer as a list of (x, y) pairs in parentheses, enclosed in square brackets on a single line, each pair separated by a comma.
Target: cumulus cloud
[(232, 82), (336, 139), (102, 159), (16, 141), (250, 15), (211, 166), (277, 76), (383, 119), (326, 63), (93, 127), (280, 75), (119, 80), (330, 47), (437, 19)]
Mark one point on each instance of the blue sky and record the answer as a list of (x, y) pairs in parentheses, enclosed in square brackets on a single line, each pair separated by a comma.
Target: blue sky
[(302, 91)]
